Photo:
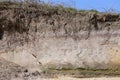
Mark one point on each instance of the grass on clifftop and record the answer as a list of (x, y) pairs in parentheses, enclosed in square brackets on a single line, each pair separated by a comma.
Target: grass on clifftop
[(43, 6)]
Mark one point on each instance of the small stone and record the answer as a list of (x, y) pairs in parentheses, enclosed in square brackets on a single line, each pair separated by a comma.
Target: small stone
[(26, 70)]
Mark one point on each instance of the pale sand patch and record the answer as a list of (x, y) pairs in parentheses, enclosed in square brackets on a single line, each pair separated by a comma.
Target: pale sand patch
[(70, 78)]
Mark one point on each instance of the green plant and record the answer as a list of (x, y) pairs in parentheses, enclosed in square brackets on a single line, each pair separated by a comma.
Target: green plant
[(92, 10), (70, 9), (60, 7)]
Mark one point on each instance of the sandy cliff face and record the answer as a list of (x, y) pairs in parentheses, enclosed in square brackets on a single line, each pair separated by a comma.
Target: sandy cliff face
[(59, 39)]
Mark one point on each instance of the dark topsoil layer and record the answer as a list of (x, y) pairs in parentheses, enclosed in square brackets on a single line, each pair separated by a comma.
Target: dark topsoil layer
[(17, 17)]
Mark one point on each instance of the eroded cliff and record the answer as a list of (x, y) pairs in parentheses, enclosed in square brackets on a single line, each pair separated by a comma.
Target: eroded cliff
[(41, 38)]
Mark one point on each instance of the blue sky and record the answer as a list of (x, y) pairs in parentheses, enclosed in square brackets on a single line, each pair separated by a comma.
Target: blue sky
[(100, 5)]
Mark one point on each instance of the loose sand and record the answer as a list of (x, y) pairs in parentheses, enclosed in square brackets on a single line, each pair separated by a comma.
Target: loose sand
[(69, 78)]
